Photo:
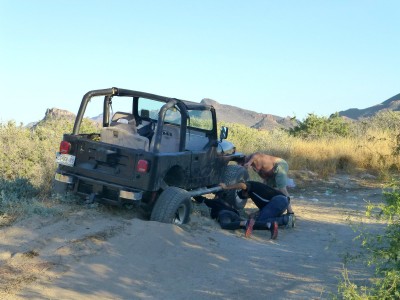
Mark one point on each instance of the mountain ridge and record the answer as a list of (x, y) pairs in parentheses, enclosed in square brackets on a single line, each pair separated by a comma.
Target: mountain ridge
[(393, 104), (252, 119), (261, 121)]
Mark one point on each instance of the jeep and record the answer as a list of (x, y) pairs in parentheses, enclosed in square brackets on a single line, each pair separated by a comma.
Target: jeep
[(155, 152)]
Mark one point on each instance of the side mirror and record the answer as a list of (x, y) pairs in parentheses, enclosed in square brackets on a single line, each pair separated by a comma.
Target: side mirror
[(224, 133)]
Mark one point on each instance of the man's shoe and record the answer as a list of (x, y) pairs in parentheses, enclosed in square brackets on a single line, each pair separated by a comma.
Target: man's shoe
[(249, 227), (274, 230)]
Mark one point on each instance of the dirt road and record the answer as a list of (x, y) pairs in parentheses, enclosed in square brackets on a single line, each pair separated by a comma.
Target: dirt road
[(108, 253)]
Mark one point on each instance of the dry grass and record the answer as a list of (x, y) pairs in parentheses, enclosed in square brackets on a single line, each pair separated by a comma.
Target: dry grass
[(373, 151)]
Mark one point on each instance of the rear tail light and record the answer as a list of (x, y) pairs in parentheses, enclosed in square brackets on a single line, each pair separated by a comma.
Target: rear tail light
[(65, 147), (142, 166)]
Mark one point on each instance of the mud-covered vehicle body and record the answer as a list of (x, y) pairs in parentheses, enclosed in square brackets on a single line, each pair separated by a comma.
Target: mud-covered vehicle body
[(154, 151)]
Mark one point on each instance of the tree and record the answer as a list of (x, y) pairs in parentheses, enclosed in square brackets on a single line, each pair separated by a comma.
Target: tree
[(314, 127)]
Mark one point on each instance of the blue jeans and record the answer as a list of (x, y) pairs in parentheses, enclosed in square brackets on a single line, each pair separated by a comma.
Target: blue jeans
[(231, 220), (275, 208)]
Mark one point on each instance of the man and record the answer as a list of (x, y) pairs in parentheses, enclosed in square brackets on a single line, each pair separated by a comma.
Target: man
[(273, 170), (270, 202)]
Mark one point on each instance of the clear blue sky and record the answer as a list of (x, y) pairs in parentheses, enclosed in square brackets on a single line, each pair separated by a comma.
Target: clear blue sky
[(287, 58)]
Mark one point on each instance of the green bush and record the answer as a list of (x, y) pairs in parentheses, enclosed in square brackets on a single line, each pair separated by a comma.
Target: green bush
[(381, 251), (384, 120), (27, 164), (20, 198), (247, 140), (314, 127), (30, 152)]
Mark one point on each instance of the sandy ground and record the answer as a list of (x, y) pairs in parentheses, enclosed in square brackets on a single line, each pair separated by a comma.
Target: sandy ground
[(109, 253)]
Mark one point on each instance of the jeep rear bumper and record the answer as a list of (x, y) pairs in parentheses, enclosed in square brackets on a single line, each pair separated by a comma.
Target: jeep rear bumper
[(99, 190)]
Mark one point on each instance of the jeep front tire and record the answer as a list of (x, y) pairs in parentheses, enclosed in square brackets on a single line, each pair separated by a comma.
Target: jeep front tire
[(233, 174)]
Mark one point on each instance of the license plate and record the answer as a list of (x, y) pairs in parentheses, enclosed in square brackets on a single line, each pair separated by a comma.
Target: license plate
[(65, 159)]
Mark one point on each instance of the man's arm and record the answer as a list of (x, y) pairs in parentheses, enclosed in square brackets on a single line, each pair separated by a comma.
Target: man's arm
[(284, 190), (249, 162), (236, 186)]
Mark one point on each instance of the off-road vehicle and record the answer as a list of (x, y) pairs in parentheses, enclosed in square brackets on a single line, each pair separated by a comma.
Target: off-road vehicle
[(153, 151)]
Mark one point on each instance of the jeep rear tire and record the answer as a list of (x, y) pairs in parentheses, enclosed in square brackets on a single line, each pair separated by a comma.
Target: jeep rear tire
[(174, 205), (233, 174)]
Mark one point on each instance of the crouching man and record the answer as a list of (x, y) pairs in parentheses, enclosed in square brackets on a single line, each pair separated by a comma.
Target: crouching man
[(271, 205)]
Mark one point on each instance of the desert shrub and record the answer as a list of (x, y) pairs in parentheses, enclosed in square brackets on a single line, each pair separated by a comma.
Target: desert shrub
[(381, 251), (249, 140), (383, 120), (19, 198), (325, 155), (20, 153), (244, 138), (329, 145), (385, 123), (29, 153), (378, 151), (16, 189), (388, 122), (314, 127), (27, 165)]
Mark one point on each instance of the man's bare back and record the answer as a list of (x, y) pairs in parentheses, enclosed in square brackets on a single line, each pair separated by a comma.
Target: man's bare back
[(263, 164)]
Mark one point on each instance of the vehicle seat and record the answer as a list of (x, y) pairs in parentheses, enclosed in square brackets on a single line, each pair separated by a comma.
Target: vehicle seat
[(123, 123), (124, 133)]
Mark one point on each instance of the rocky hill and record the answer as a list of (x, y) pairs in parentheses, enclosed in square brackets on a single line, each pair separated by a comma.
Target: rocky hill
[(53, 113), (392, 103), (234, 114), (56, 113)]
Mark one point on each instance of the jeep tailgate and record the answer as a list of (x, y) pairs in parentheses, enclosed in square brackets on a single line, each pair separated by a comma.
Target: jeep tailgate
[(107, 162)]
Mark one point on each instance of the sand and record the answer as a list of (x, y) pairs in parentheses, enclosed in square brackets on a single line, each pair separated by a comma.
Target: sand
[(100, 252)]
